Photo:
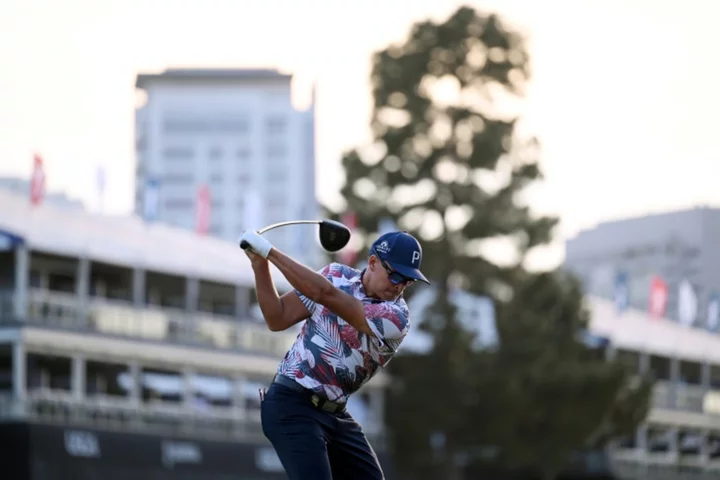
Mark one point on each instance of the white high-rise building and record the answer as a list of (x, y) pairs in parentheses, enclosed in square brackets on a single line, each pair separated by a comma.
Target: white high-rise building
[(236, 133)]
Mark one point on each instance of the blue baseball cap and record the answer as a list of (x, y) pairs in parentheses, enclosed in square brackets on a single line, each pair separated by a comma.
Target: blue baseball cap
[(402, 252)]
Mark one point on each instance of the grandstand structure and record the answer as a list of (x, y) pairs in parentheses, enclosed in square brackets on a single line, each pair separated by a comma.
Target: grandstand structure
[(111, 326), (681, 435), (137, 342)]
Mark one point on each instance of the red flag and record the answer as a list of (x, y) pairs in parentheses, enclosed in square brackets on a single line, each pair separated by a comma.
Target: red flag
[(202, 210), (347, 255), (658, 297), (37, 182)]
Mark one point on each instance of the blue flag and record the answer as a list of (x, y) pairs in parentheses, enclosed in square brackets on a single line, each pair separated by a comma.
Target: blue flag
[(621, 292)]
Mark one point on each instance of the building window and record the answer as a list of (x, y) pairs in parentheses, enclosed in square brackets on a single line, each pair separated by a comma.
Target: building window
[(178, 153), (276, 152), (215, 153), (276, 125), (178, 203), (243, 153), (206, 125), (216, 178), (178, 179), (276, 176), (274, 202)]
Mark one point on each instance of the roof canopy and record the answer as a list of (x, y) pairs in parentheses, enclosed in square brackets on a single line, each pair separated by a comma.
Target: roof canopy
[(126, 241)]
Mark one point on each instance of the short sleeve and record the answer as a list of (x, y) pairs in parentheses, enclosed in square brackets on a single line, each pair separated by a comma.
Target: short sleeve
[(389, 322), (326, 272)]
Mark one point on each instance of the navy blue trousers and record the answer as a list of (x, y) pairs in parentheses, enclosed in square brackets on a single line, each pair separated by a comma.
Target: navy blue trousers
[(313, 444)]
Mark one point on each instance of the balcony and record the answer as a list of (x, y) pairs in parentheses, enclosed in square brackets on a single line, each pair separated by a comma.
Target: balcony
[(114, 413), (62, 408), (67, 311), (690, 406), (681, 435)]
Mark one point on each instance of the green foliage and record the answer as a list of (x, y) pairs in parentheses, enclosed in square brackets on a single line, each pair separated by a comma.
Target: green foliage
[(558, 395), (448, 165), (428, 155)]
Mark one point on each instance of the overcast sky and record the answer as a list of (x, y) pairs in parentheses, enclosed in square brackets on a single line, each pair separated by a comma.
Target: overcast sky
[(624, 96)]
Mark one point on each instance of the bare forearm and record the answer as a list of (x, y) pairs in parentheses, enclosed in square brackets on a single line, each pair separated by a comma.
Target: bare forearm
[(267, 296), (306, 281)]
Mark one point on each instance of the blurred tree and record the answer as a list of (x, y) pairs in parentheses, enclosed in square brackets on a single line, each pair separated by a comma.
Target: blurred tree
[(449, 165), (559, 396)]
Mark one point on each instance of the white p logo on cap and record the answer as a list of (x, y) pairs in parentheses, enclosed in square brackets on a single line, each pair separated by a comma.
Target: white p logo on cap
[(415, 257)]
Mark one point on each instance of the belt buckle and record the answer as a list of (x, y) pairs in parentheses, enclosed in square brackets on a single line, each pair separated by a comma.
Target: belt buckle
[(323, 404)]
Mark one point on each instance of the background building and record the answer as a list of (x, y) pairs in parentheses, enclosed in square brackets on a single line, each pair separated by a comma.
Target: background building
[(237, 133), (123, 356), (673, 246), (21, 187)]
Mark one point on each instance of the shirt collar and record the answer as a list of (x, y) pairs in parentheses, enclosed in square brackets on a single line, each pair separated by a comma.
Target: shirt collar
[(357, 279)]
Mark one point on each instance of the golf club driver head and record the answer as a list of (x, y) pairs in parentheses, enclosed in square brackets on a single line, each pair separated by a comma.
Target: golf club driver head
[(333, 235)]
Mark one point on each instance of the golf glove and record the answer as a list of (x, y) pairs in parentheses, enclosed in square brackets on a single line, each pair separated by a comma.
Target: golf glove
[(257, 243)]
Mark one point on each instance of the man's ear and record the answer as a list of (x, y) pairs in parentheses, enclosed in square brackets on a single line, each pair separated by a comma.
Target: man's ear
[(372, 263)]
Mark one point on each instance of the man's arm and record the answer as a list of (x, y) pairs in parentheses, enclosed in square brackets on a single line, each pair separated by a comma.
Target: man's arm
[(319, 289), (280, 313)]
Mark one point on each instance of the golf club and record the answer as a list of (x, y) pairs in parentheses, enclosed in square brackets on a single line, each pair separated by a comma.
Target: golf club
[(333, 235)]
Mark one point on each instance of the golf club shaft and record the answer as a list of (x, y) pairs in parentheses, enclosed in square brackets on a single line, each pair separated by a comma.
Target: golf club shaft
[(291, 222), (244, 245)]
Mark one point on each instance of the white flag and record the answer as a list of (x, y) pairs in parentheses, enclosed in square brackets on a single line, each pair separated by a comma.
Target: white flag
[(151, 199), (687, 304), (621, 293), (252, 211), (713, 313)]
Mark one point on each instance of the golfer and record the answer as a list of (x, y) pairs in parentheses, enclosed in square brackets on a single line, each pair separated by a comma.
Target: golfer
[(356, 321)]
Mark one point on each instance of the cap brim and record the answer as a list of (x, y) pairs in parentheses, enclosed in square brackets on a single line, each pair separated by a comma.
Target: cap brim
[(409, 272)]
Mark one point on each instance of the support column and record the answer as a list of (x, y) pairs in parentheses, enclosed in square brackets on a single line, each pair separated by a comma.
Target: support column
[(673, 443), (675, 388), (192, 294), (242, 313), (135, 393), (187, 393), (188, 329), (674, 369), (705, 375), (138, 287), (242, 302), (78, 376), (44, 280), (641, 438), (22, 281), (19, 371), (82, 288)]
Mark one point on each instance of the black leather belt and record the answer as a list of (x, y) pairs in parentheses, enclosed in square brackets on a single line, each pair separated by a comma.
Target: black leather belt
[(315, 399)]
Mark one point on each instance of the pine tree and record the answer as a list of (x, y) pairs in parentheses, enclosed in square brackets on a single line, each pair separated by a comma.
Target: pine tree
[(558, 395), (447, 164)]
